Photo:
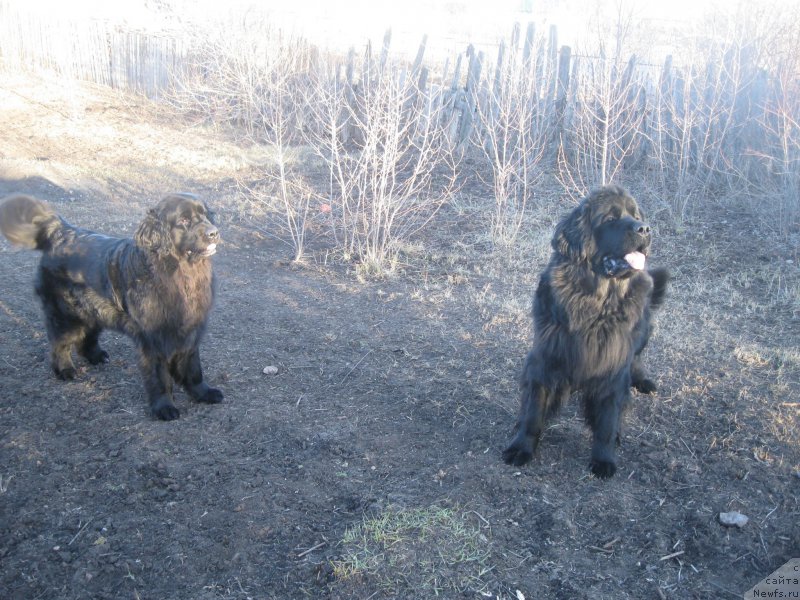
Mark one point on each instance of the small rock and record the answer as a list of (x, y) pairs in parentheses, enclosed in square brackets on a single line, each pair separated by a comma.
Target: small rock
[(733, 519), (270, 370)]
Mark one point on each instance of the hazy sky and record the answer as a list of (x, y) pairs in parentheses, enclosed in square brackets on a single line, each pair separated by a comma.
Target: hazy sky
[(449, 24)]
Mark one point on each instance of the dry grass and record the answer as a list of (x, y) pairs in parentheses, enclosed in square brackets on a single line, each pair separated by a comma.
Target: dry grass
[(392, 552)]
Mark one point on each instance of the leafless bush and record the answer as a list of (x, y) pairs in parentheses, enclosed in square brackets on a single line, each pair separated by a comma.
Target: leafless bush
[(601, 135), (676, 133), (725, 122), (242, 77), (722, 121), (516, 118), (604, 135), (382, 140), (778, 153), (389, 160), (781, 122), (258, 81), (701, 126)]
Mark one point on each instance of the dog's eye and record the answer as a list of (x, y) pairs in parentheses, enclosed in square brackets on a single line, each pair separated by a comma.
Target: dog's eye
[(184, 222)]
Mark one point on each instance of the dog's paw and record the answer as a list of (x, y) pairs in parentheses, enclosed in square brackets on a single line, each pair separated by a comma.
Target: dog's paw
[(165, 411), (641, 283), (518, 454), (212, 396), (603, 469), (65, 374), (97, 356), (645, 386)]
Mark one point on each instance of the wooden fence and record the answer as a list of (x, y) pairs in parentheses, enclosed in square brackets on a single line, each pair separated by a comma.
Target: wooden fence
[(89, 50), (725, 118)]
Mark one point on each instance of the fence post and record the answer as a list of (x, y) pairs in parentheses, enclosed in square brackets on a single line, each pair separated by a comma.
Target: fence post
[(349, 95), (552, 62), (498, 70), (527, 52), (666, 104), (562, 90), (456, 75), (471, 96), (420, 55), (387, 41)]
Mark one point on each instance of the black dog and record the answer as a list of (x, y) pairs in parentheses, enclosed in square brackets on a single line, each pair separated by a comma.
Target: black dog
[(591, 315), (157, 288)]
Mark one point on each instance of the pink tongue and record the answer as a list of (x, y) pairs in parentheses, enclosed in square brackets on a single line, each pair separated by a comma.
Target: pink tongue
[(635, 260)]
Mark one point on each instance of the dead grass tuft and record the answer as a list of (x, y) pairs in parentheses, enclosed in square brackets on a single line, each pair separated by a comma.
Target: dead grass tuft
[(392, 552)]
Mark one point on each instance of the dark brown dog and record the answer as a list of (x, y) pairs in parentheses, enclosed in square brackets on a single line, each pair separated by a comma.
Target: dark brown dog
[(591, 315), (157, 288)]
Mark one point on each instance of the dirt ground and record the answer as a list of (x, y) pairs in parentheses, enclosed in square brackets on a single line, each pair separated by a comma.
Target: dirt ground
[(369, 465)]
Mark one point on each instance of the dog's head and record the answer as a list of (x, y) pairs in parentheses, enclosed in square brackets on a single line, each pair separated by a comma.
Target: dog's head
[(181, 226), (607, 229)]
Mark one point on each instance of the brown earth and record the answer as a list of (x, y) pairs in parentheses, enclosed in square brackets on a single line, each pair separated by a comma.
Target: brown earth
[(369, 465)]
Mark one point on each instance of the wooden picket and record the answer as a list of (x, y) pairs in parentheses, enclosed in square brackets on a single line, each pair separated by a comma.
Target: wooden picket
[(701, 120)]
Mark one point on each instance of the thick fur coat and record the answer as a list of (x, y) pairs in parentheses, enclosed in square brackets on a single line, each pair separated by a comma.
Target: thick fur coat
[(592, 319), (157, 288)]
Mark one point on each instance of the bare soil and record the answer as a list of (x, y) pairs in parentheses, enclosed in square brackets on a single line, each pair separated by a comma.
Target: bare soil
[(369, 465)]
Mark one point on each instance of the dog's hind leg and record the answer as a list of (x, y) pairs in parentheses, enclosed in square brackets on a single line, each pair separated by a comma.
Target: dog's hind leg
[(63, 332), (61, 357), (64, 327), (187, 371)]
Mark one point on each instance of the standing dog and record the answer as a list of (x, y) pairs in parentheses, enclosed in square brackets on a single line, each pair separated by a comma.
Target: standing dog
[(591, 314), (157, 288)]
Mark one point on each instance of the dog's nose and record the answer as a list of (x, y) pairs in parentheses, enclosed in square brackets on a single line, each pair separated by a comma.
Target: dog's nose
[(642, 228), (212, 233)]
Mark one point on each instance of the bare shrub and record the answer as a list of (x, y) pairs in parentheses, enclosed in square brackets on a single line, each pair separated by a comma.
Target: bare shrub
[(700, 128), (725, 121), (604, 135), (259, 81), (516, 116), (781, 123), (722, 121), (778, 153), (677, 131), (389, 160)]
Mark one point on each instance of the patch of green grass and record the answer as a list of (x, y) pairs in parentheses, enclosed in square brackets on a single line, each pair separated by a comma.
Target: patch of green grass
[(431, 550)]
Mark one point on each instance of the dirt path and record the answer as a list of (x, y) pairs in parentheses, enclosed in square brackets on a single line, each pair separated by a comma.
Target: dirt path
[(388, 412)]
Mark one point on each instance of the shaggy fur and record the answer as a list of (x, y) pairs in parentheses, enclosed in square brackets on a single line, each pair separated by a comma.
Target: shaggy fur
[(591, 314), (157, 288)]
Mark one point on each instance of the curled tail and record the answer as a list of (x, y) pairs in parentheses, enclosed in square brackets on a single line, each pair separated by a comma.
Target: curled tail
[(28, 222), (660, 279)]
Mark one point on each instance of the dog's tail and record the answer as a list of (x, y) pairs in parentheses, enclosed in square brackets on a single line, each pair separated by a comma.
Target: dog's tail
[(28, 222), (660, 279)]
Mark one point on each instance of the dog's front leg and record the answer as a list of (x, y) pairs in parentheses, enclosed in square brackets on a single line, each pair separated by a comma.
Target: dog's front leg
[(529, 426), (604, 410), (539, 402), (158, 384)]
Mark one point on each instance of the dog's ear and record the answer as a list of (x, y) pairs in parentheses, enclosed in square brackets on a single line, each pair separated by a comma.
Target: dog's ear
[(573, 238), (152, 233)]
